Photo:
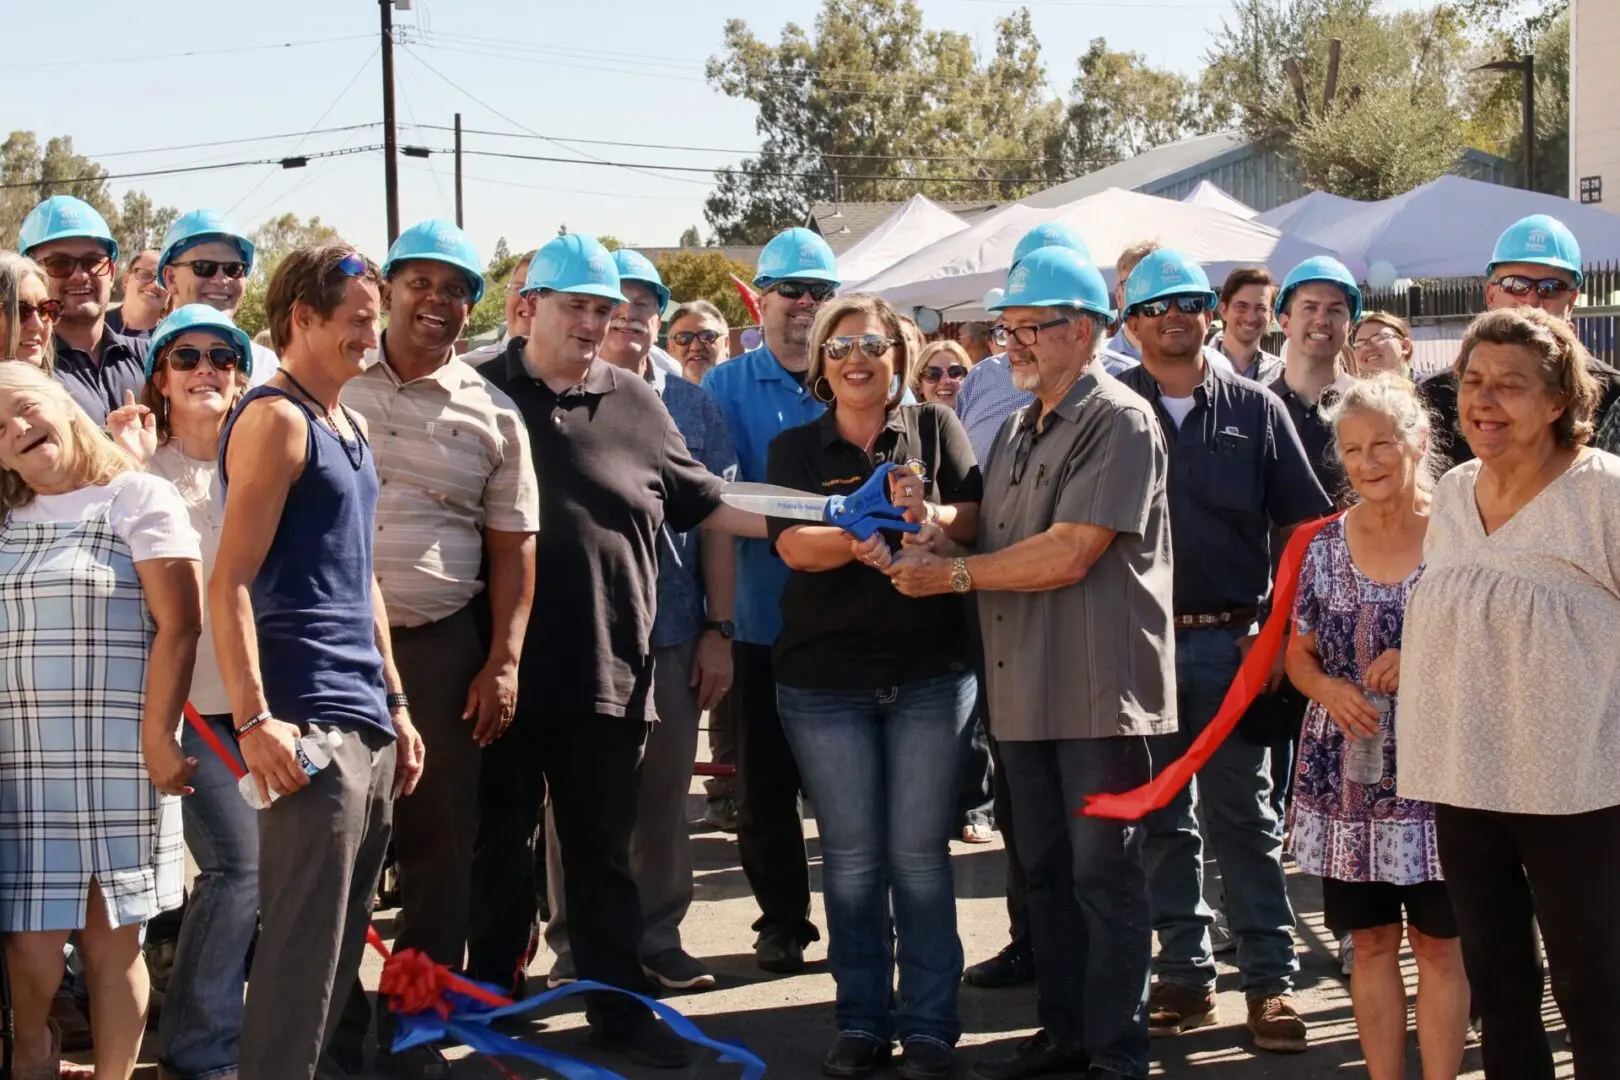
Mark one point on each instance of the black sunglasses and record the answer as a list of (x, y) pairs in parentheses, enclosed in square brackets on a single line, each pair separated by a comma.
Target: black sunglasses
[(934, 374), (1028, 435), (1187, 305), (686, 337), (207, 268), (47, 310), (187, 357), (1024, 335), (1519, 285), (873, 345), (820, 291), (61, 266)]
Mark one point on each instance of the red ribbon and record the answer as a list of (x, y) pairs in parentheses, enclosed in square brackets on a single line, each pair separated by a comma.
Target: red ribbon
[(213, 741), (413, 983), (749, 299), (1251, 680)]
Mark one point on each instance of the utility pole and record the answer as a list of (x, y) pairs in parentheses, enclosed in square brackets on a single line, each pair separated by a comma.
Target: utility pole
[(390, 136), (458, 171)]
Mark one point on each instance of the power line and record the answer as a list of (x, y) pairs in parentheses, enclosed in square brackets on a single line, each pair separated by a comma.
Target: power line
[(234, 142), (126, 60), (52, 181)]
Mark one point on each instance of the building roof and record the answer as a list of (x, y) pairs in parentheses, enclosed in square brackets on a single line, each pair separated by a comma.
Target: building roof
[(1160, 167), (845, 224)]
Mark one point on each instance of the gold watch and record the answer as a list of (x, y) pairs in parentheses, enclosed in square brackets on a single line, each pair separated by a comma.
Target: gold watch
[(961, 580)]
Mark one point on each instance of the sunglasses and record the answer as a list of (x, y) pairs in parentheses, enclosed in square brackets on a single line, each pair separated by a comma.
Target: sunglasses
[(1187, 305), (207, 268), (873, 345), (820, 291), (47, 310), (63, 266), (934, 374), (1546, 288), (1024, 335), (187, 357), (686, 337)]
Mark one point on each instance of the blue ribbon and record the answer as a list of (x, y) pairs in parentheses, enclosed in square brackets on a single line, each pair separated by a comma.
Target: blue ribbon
[(469, 1020)]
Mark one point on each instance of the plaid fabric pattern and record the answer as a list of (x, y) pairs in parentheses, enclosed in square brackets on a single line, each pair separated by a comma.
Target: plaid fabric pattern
[(75, 800)]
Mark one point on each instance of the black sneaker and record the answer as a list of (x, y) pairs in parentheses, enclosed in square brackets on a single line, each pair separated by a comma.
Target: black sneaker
[(645, 1041), (1012, 966), (1035, 1056), (779, 952), (418, 1061), (925, 1059), (854, 1056)]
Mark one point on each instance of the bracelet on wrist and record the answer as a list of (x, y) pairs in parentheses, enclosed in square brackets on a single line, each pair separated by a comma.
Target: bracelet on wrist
[(398, 702), (253, 722)]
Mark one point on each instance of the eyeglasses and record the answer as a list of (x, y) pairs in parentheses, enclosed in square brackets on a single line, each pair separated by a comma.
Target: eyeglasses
[(47, 310), (187, 357), (144, 277), (1546, 288), (1380, 338), (1023, 335), (873, 345), (820, 291), (62, 266), (1187, 305), (207, 268), (934, 374), (686, 337)]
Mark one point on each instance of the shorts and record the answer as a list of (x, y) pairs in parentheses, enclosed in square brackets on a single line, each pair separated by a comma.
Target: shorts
[(1363, 905)]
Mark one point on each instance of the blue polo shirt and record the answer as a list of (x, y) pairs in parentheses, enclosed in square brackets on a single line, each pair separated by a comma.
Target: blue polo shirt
[(760, 400)]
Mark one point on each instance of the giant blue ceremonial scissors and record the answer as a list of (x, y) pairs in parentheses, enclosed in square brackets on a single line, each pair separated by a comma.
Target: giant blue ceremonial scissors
[(867, 511)]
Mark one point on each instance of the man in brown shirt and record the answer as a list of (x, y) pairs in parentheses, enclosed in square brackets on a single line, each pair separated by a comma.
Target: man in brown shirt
[(1074, 582)]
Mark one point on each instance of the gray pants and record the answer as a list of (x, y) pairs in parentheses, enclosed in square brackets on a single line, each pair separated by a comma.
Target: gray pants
[(660, 849), (320, 851)]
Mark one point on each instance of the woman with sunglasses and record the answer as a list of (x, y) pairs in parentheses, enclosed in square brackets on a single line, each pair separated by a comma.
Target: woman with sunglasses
[(1381, 342), (875, 691), (206, 259), (940, 371), (27, 312)]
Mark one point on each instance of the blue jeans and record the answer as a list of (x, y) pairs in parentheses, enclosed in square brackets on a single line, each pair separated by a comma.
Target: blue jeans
[(202, 1011), (1235, 788), (1088, 898), (882, 768)]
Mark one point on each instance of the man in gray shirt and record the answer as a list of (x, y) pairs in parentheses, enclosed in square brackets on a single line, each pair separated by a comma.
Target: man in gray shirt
[(1073, 571)]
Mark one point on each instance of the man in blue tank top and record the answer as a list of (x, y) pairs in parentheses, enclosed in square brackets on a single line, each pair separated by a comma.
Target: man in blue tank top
[(302, 637)]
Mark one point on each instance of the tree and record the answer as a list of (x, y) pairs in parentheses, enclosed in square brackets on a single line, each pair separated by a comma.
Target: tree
[(501, 252), (139, 225), (705, 274), (690, 238), (490, 311), (872, 106), (272, 241), (1496, 121), (1119, 107), (612, 243)]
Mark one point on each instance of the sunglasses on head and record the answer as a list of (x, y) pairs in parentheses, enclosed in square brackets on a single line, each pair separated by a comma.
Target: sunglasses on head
[(187, 357), (63, 266), (873, 345), (207, 268), (1187, 305), (1519, 285), (934, 374), (686, 337), (47, 310), (820, 291)]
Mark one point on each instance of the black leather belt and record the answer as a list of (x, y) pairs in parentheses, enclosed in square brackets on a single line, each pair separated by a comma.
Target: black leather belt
[(1235, 617)]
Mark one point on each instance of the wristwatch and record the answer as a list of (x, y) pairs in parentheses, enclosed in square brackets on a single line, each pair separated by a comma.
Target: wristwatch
[(724, 627), (961, 580)]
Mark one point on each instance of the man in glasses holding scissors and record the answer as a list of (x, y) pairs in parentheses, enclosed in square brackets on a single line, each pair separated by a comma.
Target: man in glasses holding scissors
[(71, 241), (206, 259)]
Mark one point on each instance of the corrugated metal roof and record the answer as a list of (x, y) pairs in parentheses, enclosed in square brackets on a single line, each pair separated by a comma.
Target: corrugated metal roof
[(1162, 165)]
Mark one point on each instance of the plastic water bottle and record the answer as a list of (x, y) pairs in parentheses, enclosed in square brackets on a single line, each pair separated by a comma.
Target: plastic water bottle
[(314, 753), (1364, 756)]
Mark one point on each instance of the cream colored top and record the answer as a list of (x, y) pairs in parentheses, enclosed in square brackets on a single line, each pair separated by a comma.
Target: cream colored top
[(1510, 694), (197, 481)]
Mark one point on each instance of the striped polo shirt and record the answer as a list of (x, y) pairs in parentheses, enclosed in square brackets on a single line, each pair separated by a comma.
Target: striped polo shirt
[(452, 460)]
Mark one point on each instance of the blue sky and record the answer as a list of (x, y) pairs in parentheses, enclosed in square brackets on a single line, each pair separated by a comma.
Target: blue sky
[(622, 70)]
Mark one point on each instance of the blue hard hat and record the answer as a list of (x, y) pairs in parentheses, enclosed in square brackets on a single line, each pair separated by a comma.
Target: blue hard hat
[(63, 217), (204, 318), (1051, 234), (201, 227), (439, 241), (575, 264), (1056, 277), (634, 266), (1166, 272), (1541, 240), (1323, 268), (800, 254)]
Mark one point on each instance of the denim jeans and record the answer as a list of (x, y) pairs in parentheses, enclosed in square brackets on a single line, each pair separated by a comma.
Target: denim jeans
[(202, 1011), (882, 768), (1088, 900), (1235, 789)]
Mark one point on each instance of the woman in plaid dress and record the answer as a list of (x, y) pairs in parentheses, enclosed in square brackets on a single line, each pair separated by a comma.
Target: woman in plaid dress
[(100, 611)]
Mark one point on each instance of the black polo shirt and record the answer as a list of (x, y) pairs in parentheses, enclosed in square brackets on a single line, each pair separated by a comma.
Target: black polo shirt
[(1315, 435), (849, 628), (612, 470), (1440, 391), (98, 382), (1237, 471)]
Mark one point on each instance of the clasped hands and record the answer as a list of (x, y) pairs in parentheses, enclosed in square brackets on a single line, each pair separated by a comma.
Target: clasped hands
[(922, 566)]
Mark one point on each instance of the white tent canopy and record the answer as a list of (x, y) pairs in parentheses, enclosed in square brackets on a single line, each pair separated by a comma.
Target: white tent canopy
[(953, 274), (1448, 227), (1311, 212), (918, 222), (1214, 197)]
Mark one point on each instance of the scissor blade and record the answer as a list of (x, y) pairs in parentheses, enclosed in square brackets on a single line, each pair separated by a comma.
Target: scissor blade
[(773, 501)]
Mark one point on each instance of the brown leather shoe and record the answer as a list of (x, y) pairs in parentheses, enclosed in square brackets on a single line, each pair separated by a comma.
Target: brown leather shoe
[(1173, 1008), (1276, 1025)]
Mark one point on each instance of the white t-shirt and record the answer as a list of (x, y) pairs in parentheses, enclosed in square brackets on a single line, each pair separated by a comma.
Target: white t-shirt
[(197, 482), (146, 513), (265, 364), (1178, 407)]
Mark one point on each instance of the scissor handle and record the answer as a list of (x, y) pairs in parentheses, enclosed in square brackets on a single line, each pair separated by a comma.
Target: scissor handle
[(869, 509)]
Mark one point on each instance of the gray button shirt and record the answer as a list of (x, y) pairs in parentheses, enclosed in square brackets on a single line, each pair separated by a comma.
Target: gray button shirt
[(1095, 659)]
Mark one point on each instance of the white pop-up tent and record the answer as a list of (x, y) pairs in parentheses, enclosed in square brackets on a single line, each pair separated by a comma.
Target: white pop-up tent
[(918, 222), (953, 274), (1311, 212), (1214, 197)]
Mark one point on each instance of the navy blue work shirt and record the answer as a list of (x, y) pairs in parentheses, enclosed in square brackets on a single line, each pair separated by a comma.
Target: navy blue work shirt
[(98, 382), (1237, 470)]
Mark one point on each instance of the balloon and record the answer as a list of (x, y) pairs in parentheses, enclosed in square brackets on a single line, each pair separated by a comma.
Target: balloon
[(928, 319), (993, 297), (751, 338), (1381, 274)]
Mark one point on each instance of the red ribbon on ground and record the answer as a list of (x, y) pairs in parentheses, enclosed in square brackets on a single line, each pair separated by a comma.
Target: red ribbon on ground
[(749, 299), (1250, 681)]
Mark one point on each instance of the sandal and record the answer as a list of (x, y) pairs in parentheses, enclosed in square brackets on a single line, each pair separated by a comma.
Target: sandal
[(977, 832)]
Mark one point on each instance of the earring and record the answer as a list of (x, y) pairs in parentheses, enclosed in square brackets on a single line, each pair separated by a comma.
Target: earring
[(821, 390)]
